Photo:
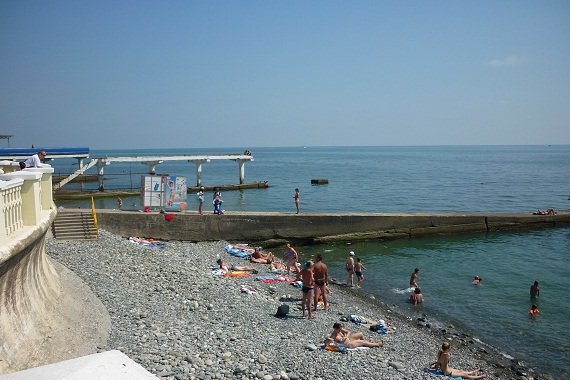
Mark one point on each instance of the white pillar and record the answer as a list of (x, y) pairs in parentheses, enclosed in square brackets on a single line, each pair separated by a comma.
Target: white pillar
[(241, 167), (198, 164), (100, 171)]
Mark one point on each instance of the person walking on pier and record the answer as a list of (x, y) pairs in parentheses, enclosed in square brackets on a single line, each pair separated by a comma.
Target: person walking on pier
[(200, 195), (297, 200)]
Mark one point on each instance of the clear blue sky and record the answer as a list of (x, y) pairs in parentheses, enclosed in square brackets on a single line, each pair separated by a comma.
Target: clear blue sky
[(145, 74)]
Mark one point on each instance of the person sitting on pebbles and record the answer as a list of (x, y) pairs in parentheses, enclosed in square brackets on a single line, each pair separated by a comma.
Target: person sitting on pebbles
[(351, 339), (442, 363), (228, 268), (260, 257)]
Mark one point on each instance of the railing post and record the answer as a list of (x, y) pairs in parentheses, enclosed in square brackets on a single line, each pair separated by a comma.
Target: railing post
[(46, 186)]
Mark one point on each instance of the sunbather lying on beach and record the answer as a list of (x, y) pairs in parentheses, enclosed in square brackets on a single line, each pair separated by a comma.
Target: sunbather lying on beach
[(228, 268), (550, 211), (443, 357), (278, 266), (261, 257), (351, 339)]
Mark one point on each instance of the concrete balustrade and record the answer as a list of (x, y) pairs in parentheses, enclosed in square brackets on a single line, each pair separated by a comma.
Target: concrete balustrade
[(38, 297), (11, 207)]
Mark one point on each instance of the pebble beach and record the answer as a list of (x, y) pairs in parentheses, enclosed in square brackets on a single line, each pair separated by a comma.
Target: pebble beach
[(170, 314)]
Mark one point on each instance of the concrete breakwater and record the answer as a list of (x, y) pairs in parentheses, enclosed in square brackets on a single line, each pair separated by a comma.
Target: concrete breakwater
[(271, 228)]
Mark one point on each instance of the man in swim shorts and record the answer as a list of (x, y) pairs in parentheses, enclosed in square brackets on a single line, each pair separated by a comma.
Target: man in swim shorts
[(308, 285), (321, 276), (358, 268)]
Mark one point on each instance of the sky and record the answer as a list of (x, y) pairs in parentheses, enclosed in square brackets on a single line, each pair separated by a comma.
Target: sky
[(198, 74)]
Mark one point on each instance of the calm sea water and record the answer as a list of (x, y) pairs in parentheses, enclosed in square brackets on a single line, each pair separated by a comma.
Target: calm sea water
[(402, 179)]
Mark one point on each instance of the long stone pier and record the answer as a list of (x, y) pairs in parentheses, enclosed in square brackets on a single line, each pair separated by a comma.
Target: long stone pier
[(271, 228)]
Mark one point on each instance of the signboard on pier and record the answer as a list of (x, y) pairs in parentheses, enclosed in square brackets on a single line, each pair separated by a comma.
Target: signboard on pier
[(167, 193)]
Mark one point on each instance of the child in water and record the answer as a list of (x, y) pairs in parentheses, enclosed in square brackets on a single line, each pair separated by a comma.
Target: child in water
[(533, 312)]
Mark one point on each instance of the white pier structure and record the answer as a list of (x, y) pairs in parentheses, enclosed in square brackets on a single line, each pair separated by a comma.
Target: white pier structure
[(153, 161)]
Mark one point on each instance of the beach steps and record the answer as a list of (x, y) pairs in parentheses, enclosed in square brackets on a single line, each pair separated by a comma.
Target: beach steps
[(75, 225)]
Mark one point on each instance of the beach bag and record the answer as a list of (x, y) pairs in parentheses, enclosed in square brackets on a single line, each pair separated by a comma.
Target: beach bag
[(282, 311), (22, 164)]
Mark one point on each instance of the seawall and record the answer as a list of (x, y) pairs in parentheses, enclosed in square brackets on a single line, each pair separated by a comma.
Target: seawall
[(272, 228), (47, 313)]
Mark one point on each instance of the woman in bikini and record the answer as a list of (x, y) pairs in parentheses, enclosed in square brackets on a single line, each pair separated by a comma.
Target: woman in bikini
[(443, 358), (351, 340)]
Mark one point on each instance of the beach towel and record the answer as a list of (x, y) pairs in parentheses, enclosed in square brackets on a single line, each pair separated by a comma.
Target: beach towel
[(237, 252), (239, 273), (149, 243), (329, 345), (271, 278), (438, 373)]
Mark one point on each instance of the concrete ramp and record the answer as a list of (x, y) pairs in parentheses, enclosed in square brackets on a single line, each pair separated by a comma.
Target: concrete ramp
[(109, 365)]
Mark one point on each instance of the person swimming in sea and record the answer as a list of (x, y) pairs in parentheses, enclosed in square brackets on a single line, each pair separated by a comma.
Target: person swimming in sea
[(534, 290), (534, 311)]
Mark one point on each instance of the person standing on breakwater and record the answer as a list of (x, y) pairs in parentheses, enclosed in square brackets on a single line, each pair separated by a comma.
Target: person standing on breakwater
[(200, 195), (350, 269), (308, 288), (297, 199), (534, 290), (414, 279), (321, 275), (292, 260), (218, 202)]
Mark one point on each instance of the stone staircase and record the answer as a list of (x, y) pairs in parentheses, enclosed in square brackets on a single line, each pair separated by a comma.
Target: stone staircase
[(75, 225)]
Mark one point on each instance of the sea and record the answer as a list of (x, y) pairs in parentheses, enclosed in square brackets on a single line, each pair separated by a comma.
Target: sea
[(489, 179)]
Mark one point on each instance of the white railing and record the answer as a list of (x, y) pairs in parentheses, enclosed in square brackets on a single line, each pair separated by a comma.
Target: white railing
[(25, 195), (11, 206)]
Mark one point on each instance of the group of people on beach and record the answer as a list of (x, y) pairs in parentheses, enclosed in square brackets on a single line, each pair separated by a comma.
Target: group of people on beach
[(354, 268), (314, 278)]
